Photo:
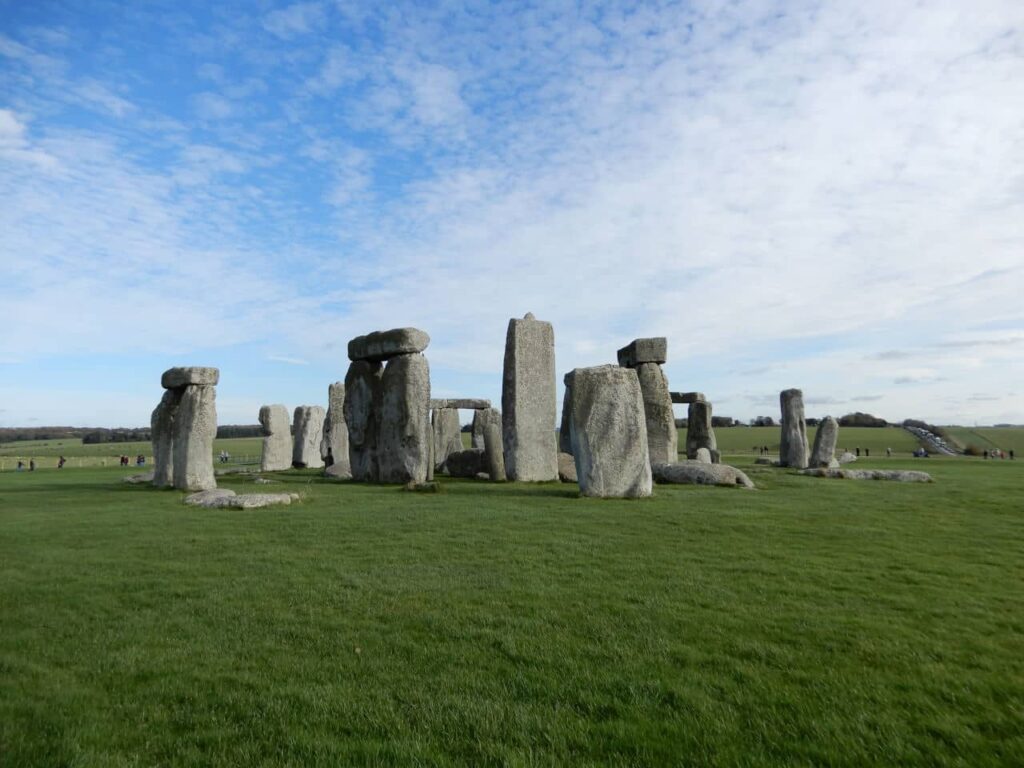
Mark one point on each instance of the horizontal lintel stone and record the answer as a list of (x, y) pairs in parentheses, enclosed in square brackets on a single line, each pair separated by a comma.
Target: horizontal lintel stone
[(638, 351)]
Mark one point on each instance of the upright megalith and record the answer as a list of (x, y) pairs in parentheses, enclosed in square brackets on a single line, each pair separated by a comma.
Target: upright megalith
[(699, 432), (609, 433), (277, 439), (793, 441), (404, 436), (307, 429), (646, 357), (334, 443), (363, 395), (824, 452), (476, 439), (528, 401), (184, 425), (494, 453), (564, 438), (447, 434)]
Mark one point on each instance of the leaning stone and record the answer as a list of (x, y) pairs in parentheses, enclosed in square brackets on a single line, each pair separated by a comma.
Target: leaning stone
[(277, 439), (564, 438), (363, 395), (609, 433), (528, 401), (895, 475), (823, 453), (175, 378), (383, 345), (662, 437), (567, 468), (308, 430), (461, 403), (699, 432), (162, 434), (698, 473), (494, 455), (404, 435), (195, 427), (793, 442), (447, 435), (334, 443), (687, 397), (468, 463), (639, 351), (703, 456)]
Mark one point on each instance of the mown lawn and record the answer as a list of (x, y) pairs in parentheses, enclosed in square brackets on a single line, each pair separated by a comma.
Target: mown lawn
[(988, 438), (813, 622)]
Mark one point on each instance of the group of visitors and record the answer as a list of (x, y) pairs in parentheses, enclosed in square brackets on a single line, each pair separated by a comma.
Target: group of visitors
[(140, 461), (224, 457), (998, 453), (31, 465)]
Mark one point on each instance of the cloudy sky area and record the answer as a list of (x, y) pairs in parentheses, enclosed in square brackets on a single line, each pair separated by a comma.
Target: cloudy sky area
[(822, 195)]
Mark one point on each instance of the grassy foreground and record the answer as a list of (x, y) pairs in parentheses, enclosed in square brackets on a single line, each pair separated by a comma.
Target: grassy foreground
[(812, 622)]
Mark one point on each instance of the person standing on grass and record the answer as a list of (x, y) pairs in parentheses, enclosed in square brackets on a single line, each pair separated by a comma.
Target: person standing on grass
[(31, 465), (61, 463), (21, 466), (888, 453)]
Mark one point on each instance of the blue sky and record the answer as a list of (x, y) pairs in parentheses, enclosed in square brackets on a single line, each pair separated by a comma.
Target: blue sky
[(822, 195)]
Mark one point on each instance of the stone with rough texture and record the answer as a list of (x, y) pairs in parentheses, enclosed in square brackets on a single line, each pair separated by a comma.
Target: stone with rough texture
[(896, 475), (460, 403), (277, 439), (334, 443), (847, 458), (195, 427), (824, 451), (145, 477), (699, 432), (609, 433), (564, 438), (567, 468), (362, 407), (339, 471), (662, 437), (494, 455), (162, 433), (528, 401), (308, 430), (447, 435), (404, 436), (793, 440), (639, 351), (176, 378), (227, 499), (687, 397), (467, 463), (698, 473), (384, 345), (703, 456)]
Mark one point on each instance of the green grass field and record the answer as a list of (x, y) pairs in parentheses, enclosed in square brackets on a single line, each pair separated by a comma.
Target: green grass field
[(989, 438), (813, 622), (47, 452)]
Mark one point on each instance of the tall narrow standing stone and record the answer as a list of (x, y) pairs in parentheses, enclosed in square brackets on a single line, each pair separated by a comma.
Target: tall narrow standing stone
[(793, 442), (334, 444), (825, 439), (277, 439), (662, 438), (362, 405), (195, 427), (308, 431), (564, 438), (699, 432), (162, 432), (528, 401), (447, 434), (494, 452), (404, 435), (609, 433)]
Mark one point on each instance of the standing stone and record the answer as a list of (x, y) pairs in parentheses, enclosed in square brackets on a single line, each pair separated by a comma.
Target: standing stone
[(195, 427), (662, 438), (308, 431), (447, 435), (277, 439), (404, 434), (363, 395), (477, 431), (703, 456), (793, 442), (564, 438), (494, 452), (162, 431), (528, 401), (699, 433), (825, 439), (609, 433), (334, 444)]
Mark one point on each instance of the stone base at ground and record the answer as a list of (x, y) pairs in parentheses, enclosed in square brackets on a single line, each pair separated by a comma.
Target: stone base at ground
[(567, 468), (468, 463), (339, 471), (699, 473), (895, 475), (847, 458), (145, 477)]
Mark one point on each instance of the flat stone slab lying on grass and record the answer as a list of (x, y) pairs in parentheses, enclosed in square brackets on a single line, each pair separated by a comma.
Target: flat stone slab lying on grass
[(896, 475), (173, 378), (699, 473), (223, 498), (383, 345), (145, 477)]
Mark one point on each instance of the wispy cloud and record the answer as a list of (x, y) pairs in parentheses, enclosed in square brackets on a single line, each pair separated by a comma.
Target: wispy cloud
[(288, 360)]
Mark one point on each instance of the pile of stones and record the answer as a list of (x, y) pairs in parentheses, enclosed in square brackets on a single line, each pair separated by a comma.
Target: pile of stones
[(184, 425)]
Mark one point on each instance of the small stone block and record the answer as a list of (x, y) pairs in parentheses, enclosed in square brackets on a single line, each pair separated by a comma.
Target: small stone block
[(653, 350)]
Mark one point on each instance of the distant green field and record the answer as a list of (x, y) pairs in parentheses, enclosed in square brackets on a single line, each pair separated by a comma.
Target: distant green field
[(46, 452), (988, 438), (740, 440)]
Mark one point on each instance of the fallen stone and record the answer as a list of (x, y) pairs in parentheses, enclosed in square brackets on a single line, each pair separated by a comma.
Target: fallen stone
[(384, 345), (567, 468), (699, 432), (468, 463), (528, 401), (662, 436), (195, 427), (447, 435), (145, 477), (823, 453), (308, 429), (609, 433), (175, 378), (895, 475), (227, 499), (208, 497), (363, 395), (793, 442), (687, 397), (638, 351), (264, 481), (404, 435), (277, 439), (703, 456), (462, 403), (766, 460), (334, 443), (698, 473)]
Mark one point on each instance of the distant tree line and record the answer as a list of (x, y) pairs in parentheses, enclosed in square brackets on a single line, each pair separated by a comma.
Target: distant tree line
[(119, 435), (859, 419), (240, 430), (17, 434)]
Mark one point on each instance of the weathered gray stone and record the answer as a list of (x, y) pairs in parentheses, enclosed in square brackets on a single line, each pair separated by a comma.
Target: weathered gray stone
[(639, 351), (847, 458), (383, 345), (339, 471), (404, 435), (567, 468), (162, 433), (687, 397), (175, 378), (703, 456), (825, 438), (793, 442), (145, 477), (195, 427), (564, 438), (477, 431), (699, 432), (462, 403), (363, 396), (467, 463), (609, 433), (896, 475), (308, 430), (528, 401), (334, 444), (227, 499), (698, 473), (662, 438), (447, 435), (277, 439), (494, 455)]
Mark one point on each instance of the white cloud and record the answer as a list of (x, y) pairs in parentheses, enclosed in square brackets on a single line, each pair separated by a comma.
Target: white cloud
[(213, 106), (294, 20)]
